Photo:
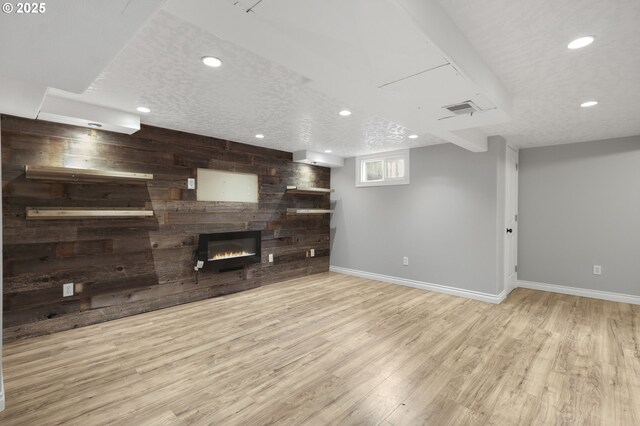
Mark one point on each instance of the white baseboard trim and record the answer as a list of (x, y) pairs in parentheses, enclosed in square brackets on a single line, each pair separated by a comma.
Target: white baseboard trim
[(573, 291), (454, 291)]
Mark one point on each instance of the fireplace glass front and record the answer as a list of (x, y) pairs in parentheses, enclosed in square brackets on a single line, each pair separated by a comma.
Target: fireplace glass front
[(227, 250)]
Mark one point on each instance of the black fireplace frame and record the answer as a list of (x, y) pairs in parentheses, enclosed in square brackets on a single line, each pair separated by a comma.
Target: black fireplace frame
[(234, 262)]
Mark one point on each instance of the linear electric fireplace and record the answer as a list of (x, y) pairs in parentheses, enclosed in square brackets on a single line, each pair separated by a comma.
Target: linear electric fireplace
[(229, 250)]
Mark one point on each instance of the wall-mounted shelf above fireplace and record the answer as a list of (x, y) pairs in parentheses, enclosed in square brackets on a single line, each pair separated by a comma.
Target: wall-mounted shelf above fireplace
[(85, 213), (307, 190), (70, 174), (308, 211)]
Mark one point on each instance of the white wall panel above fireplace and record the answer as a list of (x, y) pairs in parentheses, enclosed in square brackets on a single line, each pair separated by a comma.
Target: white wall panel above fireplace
[(216, 185)]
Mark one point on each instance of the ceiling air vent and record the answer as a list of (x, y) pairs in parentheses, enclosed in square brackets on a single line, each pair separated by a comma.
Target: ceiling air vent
[(467, 107)]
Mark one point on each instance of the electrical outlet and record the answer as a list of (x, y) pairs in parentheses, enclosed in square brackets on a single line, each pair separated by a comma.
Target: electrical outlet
[(191, 183), (405, 261), (270, 257), (67, 289), (313, 252), (597, 269)]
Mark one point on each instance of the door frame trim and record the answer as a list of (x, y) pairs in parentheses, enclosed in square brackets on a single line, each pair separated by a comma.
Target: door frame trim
[(509, 287)]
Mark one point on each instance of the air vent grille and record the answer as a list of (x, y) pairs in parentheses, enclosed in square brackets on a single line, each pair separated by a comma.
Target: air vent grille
[(463, 108)]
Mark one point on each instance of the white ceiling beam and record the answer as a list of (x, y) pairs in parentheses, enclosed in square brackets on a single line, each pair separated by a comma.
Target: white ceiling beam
[(475, 140), (438, 26), (77, 113)]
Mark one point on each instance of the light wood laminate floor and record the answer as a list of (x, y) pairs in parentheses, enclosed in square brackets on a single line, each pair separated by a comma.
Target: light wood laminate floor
[(332, 349)]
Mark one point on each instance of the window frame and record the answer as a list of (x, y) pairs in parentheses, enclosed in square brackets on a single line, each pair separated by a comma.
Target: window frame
[(363, 166), (385, 157)]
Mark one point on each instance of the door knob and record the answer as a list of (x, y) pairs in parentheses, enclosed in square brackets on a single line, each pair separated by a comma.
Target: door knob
[(509, 230)]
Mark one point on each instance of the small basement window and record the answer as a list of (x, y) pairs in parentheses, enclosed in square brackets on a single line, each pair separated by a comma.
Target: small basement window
[(388, 168)]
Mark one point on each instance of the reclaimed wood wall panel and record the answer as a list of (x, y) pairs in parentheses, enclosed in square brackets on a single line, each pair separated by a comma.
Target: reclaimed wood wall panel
[(127, 266)]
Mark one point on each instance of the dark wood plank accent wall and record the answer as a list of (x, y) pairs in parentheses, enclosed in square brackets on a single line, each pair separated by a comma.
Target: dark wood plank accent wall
[(123, 267)]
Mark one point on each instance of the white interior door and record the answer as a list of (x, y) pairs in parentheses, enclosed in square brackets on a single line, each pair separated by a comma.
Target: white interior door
[(511, 221)]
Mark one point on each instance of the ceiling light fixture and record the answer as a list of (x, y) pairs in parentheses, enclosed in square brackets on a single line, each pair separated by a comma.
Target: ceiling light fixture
[(211, 61), (345, 113), (328, 151), (589, 104), (94, 125), (581, 42), (143, 109), (413, 136), (260, 136)]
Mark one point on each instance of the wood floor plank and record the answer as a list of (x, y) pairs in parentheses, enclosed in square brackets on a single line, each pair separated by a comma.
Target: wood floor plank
[(333, 349)]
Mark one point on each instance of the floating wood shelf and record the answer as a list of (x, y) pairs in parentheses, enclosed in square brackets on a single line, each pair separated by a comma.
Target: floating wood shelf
[(308, 211), (308, 190), (85, 213), (83, 175)]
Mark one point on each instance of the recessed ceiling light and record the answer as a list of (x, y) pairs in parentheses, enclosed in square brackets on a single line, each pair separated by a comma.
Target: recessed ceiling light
[(94, 125), (260, 136), (345, 113), (589, 104), (211, 61), (143, 109), (581, 42), (328, 151), (413, 136)]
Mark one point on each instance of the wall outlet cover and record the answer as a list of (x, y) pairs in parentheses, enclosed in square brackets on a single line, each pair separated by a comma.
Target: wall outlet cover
[(405, 261), (270, 257), (313, 252), (67, 289), (191, 183), (597, 269)]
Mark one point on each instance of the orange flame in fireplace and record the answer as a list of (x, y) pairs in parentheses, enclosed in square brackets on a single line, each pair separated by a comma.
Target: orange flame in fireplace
[(231, 255)]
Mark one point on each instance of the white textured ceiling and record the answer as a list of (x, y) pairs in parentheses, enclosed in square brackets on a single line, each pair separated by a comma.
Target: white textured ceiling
[(65, 46), (404, 60), (524, 42), (161, 69)]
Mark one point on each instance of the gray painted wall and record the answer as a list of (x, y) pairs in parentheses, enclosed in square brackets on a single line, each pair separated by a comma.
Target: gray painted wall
[(445, 221), (579, 206)]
